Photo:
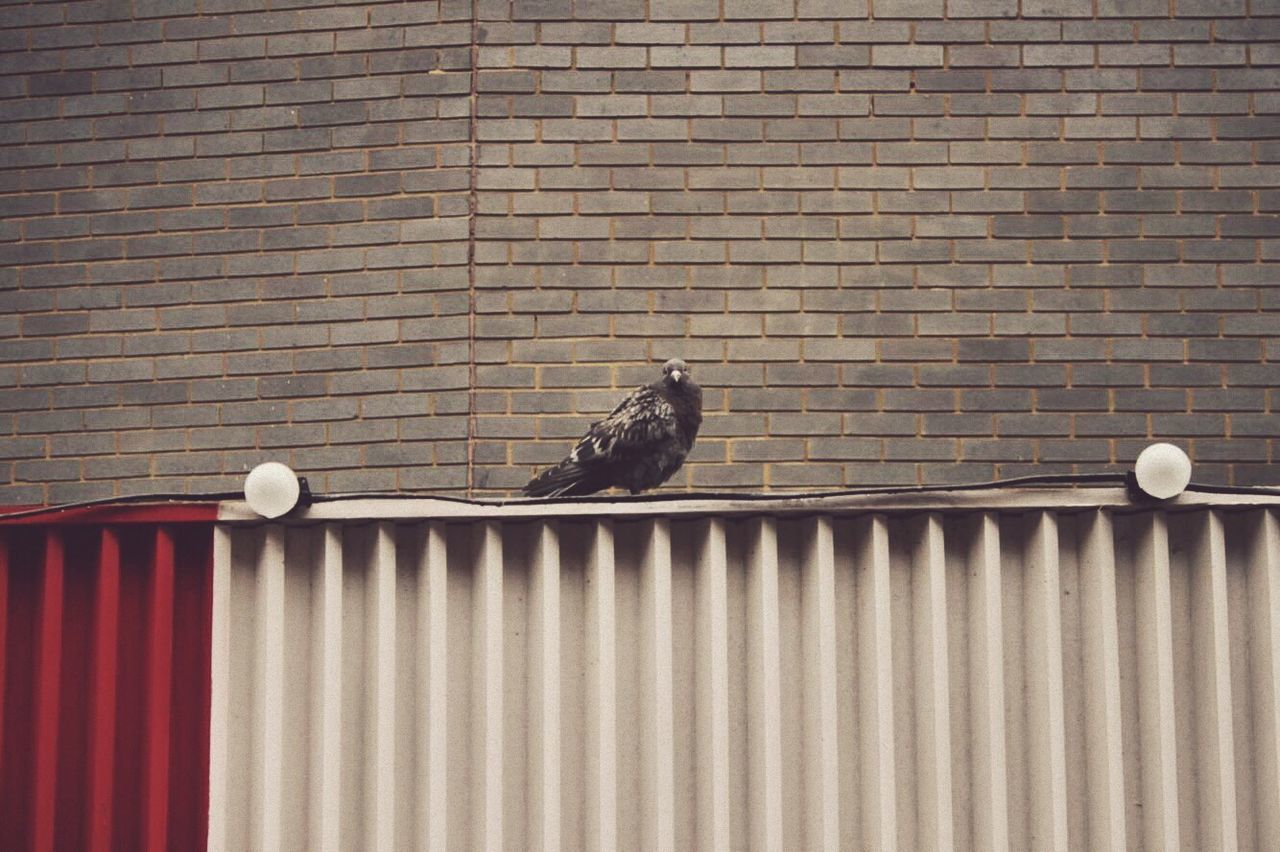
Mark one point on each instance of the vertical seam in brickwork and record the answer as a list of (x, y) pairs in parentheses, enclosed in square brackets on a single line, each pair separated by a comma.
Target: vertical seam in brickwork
[(474, 168)]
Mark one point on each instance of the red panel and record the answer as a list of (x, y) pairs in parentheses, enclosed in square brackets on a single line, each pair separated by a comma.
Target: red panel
[(104, 687), (192, 669), (26, 552), (80, 570), (155, 799), (131, 656), (102, 723), (4, 631), (48, 681), (143, 513)]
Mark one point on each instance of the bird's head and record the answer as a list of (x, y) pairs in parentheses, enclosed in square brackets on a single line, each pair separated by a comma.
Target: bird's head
[(676, 370)]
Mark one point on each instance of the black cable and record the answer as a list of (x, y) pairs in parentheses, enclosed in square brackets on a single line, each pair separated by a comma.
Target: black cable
[(1038, 479), (1097, 479), (1208, 488), (1046, 479), (1042, 479)]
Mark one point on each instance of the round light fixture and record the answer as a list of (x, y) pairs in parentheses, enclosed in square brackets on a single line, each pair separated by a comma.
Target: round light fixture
[(1162, 471), (272, 489)]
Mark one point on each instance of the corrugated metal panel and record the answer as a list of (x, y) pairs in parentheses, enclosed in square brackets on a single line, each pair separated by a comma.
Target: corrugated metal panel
[(1094, 679), (104, 668)]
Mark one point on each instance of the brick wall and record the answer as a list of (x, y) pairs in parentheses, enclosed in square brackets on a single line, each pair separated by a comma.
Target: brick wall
[(904, 241)]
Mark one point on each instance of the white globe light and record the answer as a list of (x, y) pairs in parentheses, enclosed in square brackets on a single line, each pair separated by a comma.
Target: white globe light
[(1162, 471), (272, 489)]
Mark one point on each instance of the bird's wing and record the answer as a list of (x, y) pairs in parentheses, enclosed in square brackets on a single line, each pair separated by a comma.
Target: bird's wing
[(639, 421)]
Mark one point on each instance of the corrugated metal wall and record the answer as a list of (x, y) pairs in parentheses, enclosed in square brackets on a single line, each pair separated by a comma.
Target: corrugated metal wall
[(104, 685), (973, 680)]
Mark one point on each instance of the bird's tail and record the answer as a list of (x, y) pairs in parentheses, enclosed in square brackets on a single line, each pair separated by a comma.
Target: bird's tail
[(564, 479)]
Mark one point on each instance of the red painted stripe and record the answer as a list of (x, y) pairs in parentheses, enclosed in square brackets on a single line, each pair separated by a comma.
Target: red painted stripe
[(142, 513), (202, 710), (102, 731), (137, 551), (48, 672), (189, 723), (104, 687), (155, 793), (4, 632), (17, 764), (75, 711)]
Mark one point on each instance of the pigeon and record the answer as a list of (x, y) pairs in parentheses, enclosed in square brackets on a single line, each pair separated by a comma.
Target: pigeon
[(638, 446)]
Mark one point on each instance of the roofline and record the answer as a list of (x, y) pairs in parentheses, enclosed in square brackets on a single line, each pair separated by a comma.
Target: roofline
[(393, 507), (192, 511)]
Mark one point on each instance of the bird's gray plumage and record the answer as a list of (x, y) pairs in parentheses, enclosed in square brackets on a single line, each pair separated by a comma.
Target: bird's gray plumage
[(638, 446)]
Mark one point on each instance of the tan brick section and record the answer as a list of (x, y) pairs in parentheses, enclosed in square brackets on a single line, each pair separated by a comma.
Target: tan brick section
[(900, 241)]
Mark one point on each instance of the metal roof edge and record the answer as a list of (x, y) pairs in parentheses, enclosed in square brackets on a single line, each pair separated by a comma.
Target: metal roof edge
[(140, 512), (391, 507)]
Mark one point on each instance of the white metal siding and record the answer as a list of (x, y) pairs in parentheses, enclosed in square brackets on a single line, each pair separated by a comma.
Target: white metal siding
[(972, 680)]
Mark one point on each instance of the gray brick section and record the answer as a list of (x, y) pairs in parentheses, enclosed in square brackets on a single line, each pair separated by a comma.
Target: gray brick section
[(219, 235), (903, 241)]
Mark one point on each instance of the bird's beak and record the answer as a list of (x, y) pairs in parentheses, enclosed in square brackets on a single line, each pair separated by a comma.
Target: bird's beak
[(676, 375)]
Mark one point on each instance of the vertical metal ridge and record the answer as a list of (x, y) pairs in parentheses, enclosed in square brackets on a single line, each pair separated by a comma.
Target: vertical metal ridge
[(269, 694), (657, 755), (383, 807), (1046, 716), (764, 684), (875, 660), (487, 792), (155, 803), (951, 660), (103, 745), (1158, 740), (990, 777), (544, 684), (106, 623), (327, 803), (4, 651), (1216, 759), (220, 690), (822, 767), (433, 653), (47, 692), (713, 689), (1264, 634), (601, 689), (1101, 657), (932, 684)]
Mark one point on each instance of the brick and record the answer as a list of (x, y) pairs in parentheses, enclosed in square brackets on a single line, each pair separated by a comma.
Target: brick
[(920, 449), (768, 450), (873, 189), (1057, 55), (756, 9), (1151, 400), (1075, 450), (774, 56), (650, 81), (684, 56), (805, 475), (982, 349), (913, 9), (1000, 450), (906, 56), (996, 401)]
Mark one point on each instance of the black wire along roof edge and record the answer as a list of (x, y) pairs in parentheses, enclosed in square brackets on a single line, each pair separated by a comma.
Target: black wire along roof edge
[(1083, 479)]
